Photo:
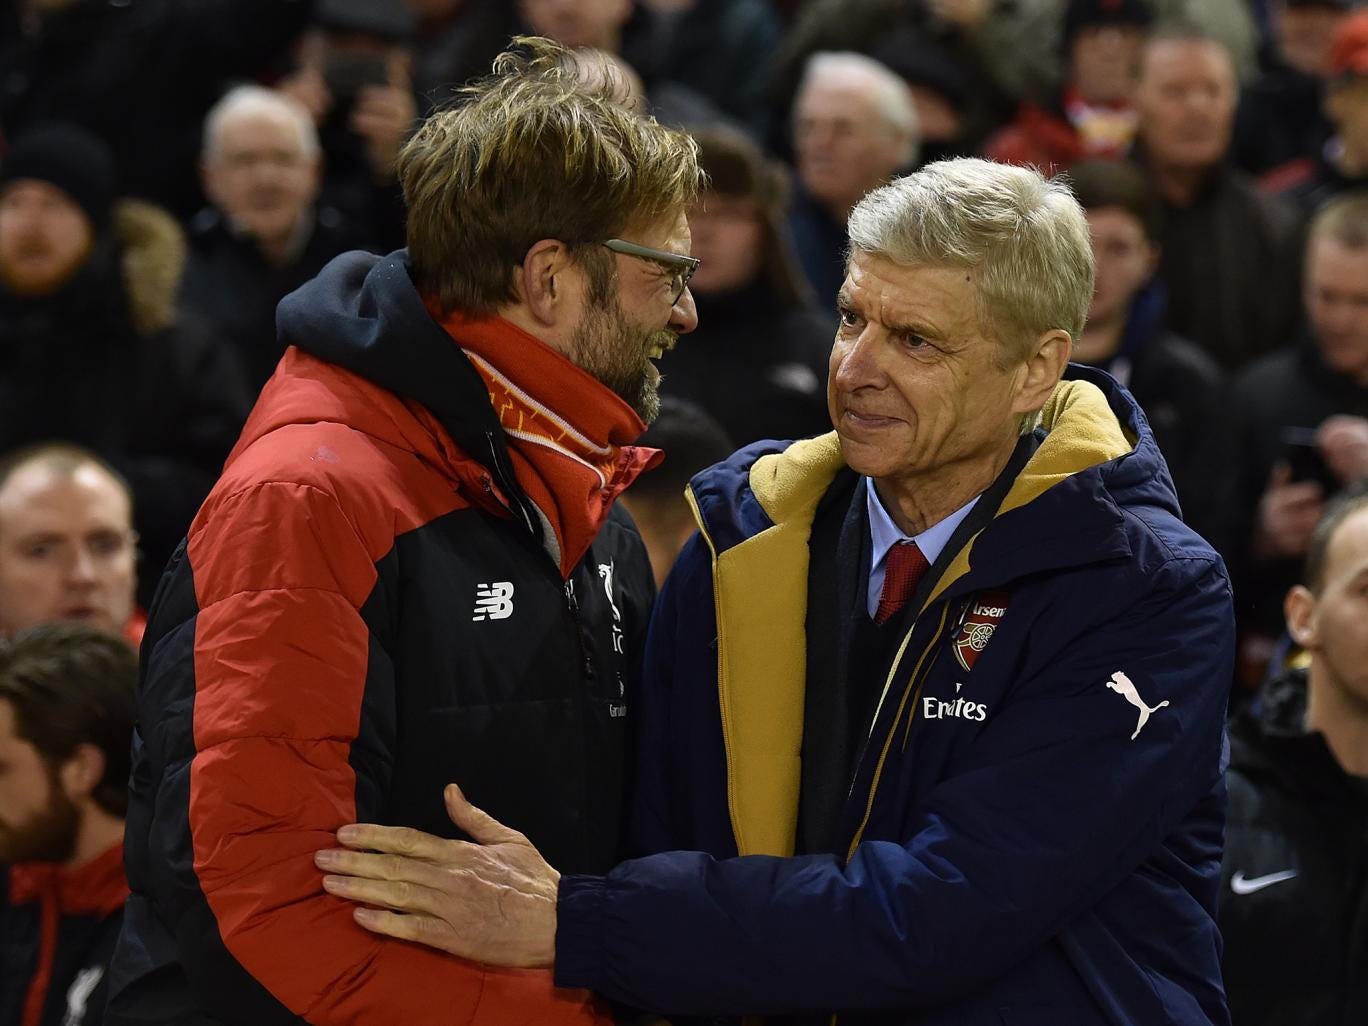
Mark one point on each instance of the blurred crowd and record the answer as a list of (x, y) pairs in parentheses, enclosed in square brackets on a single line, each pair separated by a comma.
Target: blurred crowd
[(171, 169)]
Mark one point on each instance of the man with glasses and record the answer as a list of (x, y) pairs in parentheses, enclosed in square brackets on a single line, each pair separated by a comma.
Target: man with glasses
[(67, 547), (412, 570)]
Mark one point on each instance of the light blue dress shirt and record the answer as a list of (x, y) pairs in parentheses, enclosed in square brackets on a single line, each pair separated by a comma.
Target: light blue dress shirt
[(884, 534)]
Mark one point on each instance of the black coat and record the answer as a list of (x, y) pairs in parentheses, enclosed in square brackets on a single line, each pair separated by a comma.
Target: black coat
[(756, 364), (105, 363), (230, 284), (1289, 388), (1296, 947), (140, 74)]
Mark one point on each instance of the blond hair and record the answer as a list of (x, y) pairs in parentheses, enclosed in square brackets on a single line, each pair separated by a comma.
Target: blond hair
[(532, 153)]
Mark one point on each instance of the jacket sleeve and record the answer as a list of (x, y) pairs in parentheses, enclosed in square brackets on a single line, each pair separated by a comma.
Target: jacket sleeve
[(1053, 805), (293, 736)]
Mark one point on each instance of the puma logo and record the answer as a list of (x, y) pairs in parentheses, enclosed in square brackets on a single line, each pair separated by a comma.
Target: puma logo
[(1122, 685)]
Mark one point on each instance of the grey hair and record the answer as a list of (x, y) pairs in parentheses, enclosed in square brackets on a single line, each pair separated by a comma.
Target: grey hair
[(891, 95), (1023, 239), (254, 99)]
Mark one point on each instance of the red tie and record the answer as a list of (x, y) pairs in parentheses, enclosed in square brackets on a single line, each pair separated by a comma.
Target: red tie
[(903, 568)]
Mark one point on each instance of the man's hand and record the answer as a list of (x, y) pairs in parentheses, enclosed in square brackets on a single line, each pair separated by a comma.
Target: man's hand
[(966, 14), (1288, 512), (1343, 441), (492, 901)]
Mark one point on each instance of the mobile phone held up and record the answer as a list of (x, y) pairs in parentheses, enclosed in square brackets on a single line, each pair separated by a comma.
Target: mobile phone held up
[(1303, 456), (347, 72)]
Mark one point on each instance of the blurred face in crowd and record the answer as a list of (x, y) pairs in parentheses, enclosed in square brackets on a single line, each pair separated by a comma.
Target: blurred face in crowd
[(1333, 625), (596, 23), (38, 821), (1336, 299), (917, 387), (844, 143), (260, 173), (1103, 62), (616, 340), (1186, 100), (1304, 33), (1125, 260), (66, 549), (45, 238), (728, 236)]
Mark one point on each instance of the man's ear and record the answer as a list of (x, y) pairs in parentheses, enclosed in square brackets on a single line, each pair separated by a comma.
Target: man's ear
[(1299, 607), (1042, 370), (539, 282), (82, 772)]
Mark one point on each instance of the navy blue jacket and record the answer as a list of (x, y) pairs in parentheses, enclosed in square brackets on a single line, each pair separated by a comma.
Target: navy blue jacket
[(1032, 832)]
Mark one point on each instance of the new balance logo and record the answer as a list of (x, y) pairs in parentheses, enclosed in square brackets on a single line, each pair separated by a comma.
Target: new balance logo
[(493, 601)]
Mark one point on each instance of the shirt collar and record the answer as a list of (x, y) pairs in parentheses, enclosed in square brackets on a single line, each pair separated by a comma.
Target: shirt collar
[(884, 533)]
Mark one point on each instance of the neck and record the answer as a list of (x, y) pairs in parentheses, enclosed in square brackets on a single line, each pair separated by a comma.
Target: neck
[(1341, 717), (1178, 185), (922, 501), (1101, 339), (99, 831)]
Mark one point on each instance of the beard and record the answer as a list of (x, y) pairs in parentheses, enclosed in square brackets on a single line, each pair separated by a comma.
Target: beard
[(612, 349), (48, 835)]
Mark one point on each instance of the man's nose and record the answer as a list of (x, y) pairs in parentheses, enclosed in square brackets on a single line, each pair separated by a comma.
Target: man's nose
[(684, 314), (82, 568), (857, 362)]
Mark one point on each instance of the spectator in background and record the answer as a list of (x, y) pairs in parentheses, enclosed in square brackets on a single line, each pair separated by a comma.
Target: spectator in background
[(1281, 116), (92, 349), (265, 235), (1267, 485), (455, 41), (718, 49), (691, 441), (1091, 114), (354, 78), (1341, 163), (139, 76), (1294, 901), (1228, 254), (597, 24), (67, 544), (66, 717), (854, 128), (941, 91), (1176, 384), (757, 361)]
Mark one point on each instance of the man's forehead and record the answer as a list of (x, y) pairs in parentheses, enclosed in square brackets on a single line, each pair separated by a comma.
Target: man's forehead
[(36, 493)]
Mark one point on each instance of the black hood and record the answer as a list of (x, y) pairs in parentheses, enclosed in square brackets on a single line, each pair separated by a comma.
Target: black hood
[(364, 314)]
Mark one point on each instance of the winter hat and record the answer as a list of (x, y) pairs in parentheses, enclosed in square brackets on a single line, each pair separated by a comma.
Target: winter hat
[(1085, 14), (70, 158)]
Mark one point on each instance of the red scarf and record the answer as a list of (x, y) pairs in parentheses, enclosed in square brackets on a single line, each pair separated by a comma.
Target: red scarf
[(569, 436), (96, 888)]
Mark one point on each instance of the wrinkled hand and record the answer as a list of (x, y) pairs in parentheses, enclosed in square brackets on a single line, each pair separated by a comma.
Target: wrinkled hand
[(1343, 441), (1288, 513), (383, 116), (491, 901)]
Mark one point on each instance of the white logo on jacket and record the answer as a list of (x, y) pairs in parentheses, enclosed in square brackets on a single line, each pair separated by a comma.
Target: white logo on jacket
[(78, 995), (1122, 685), (493, 601), (606, 572), (1241, 884)]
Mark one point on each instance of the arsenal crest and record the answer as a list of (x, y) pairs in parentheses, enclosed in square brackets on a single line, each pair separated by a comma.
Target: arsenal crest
[(978, 627)]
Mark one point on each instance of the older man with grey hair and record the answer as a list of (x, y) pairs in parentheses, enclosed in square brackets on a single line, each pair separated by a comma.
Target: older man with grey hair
[(950, 680), (854, 127), (265, 234)]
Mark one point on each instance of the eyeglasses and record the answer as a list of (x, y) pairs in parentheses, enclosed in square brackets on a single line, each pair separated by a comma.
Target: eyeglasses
[(682, 267)]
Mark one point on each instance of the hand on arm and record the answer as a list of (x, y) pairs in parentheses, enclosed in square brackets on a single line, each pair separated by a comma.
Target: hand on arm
[(492, 900)]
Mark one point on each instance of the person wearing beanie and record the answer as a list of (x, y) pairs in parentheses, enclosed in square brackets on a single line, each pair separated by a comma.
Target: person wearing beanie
[(758, 360), (92, 350), (1091, 115)]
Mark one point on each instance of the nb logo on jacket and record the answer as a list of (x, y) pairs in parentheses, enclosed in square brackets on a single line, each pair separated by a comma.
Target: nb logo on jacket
[(493, 601)]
